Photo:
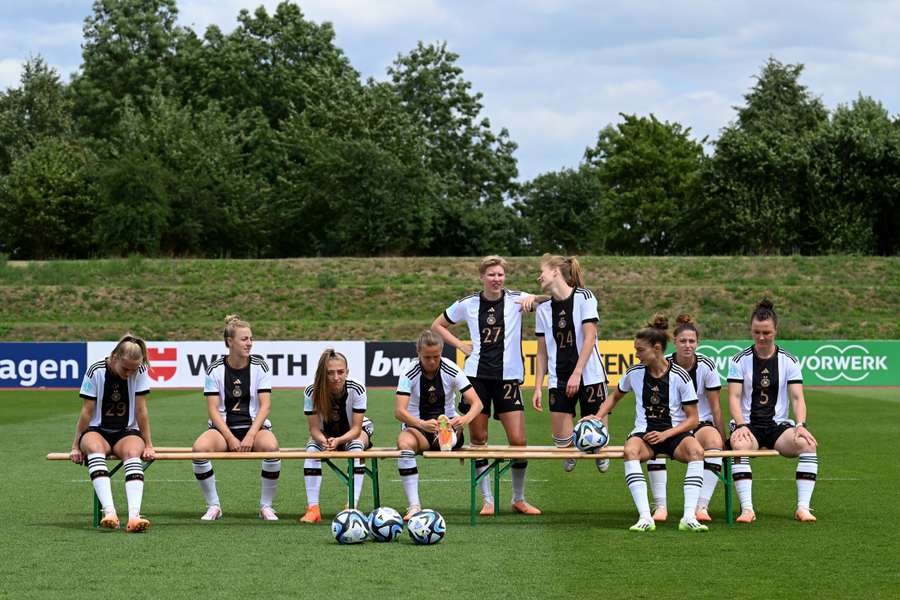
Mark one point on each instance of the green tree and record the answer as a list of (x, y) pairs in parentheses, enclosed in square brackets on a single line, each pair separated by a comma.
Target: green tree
[(761, 173), (475, 167), (562, 211)]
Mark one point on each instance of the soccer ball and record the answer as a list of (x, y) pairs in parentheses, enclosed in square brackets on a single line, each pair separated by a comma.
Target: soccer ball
[(385, 524), (350, 527), (591, 435), (426, 527)]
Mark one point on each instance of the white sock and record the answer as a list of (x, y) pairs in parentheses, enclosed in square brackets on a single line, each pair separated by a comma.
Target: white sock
[(659, 477), (134, 486), (484, 484), (359, 471), (517, 474), (637, 485), (693, 482), (712, 467), (807, 470), (409, 475), (312, 474), (96, 464), (271, 470), (743, 481), (203, 471)]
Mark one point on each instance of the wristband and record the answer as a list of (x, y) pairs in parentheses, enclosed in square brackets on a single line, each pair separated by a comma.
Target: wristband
[(801, 424), (736, 427)]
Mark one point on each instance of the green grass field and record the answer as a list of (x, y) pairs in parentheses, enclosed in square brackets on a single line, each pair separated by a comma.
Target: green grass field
[(579, 548)]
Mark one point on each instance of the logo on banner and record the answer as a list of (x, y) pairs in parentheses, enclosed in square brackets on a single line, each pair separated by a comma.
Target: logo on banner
[(162, 372), (720, 356), (850, 363)]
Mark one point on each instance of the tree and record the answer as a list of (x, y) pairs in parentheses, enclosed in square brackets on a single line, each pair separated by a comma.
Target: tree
[(761, 172), (650, 172), (562, 211), (475, 167)]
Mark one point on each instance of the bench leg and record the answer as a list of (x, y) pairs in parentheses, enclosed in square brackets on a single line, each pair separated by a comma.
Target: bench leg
[(728, 484), (373, 475), (473, 485)]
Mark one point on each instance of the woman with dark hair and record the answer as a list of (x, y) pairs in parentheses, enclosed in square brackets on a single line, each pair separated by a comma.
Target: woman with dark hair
[(335, 408), (114, 420), (665, 415), (764, 381)]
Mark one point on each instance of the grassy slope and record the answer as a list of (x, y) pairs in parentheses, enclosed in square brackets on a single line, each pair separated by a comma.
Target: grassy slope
[(579, 548), (394, 298)]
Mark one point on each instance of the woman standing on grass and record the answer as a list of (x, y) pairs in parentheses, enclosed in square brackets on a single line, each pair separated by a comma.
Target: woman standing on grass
[(710, 432), (426, 411), (566, 329), (495, 367), (114, 420), (335, 408), (665, 414), (238, 392), (763, 381)]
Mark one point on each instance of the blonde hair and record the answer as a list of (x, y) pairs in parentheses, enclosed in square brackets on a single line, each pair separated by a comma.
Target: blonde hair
[(233, 322), (131, 347), (655, 332), (321, 401), (569, 268), (492, 261), (429, 339)]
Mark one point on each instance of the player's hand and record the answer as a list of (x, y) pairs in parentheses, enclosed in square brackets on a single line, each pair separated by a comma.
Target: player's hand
[(76, 456), (466, 348), (573, 385), (741, 434), (431, 425), (149, 453), (234, 444), (536, 400), (526, 304), (330, 443), (654, 437), (802, 433), (457, 422), (590, 418)]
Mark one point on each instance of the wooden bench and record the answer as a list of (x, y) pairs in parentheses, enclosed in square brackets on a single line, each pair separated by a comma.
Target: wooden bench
[(500, 460), (369, 457)]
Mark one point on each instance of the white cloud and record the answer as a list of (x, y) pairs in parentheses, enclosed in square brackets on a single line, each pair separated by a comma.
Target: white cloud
[(10, 73)]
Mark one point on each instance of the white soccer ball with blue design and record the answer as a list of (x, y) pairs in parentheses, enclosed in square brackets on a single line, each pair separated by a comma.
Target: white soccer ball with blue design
[(426, 527), (385, 524), (591, 435), (350, 527)]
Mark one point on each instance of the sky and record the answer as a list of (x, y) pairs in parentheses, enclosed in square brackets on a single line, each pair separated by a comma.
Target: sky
[(555, 72)]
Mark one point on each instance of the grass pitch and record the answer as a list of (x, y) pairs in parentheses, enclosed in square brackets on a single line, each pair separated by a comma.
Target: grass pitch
[(579, 548)]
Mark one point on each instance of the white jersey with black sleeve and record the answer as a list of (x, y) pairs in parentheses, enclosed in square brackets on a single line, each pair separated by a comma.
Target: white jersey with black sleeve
[(764, 394), (114, 396), (338, 422), (430, 397), (706, 379), (659, 402), (560, 322), (238, 390), (495, 328)]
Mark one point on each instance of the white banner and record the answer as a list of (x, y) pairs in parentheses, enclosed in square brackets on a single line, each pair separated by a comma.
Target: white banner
[(183, 364)]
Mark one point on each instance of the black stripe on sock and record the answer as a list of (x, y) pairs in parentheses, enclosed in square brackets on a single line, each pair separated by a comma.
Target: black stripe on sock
[(406, 472), (806, 475), (312, 472), (270, 474), (656, 467), (134, 477), (741, 476), (202, 476), (96, 474)]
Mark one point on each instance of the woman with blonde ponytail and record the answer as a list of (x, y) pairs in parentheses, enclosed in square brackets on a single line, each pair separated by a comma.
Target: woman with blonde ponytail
[(665, 415), (566, 329), (238, 390), (114, 420)]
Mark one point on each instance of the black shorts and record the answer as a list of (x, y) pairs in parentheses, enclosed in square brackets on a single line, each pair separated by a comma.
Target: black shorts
[(703, 424), (766, 435), (432, 440), (504, 395), (667, 446), (241, 433), (112, 436), (589, 398)]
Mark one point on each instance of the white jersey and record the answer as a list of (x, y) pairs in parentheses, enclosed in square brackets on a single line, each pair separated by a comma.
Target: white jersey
[(430, 397), (495, 328), (338, 422), (114, 397), (764, 394), (705, 378), (658, 402), (560, 322), (238, 390)]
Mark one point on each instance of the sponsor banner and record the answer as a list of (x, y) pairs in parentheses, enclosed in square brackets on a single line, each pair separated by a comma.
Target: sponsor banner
[(823, 363), (183, 364), (42, 364), (386, 361), (826, 363)]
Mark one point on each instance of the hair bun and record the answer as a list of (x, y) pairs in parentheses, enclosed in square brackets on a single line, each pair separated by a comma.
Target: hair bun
[(684, 319), (659, 321), (766, 304), (229, 319)]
